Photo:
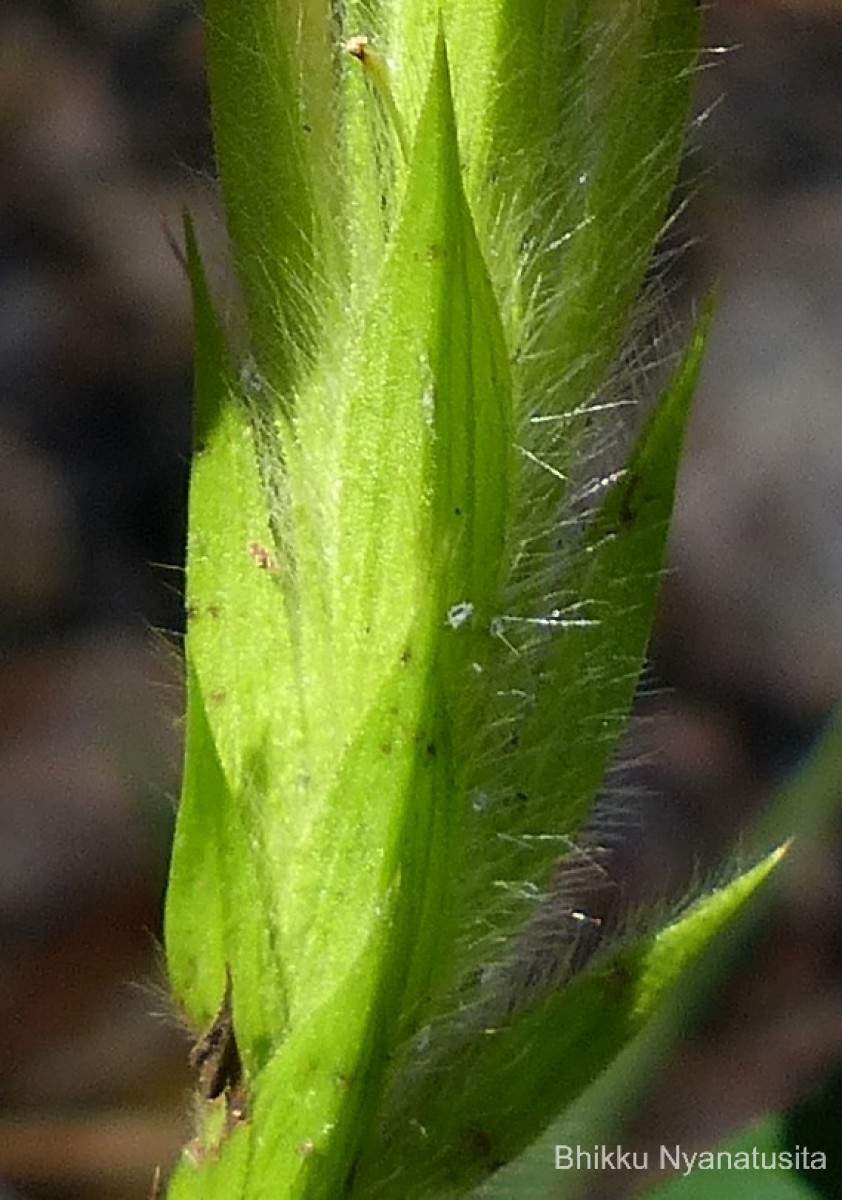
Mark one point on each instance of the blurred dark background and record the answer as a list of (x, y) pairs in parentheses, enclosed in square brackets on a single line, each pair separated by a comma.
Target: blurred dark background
[(104, 139)]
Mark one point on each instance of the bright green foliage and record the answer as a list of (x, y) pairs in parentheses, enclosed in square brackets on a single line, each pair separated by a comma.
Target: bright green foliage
[(417, 607)]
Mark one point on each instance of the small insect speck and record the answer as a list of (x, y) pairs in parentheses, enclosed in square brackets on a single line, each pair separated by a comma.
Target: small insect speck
[(460, 614)]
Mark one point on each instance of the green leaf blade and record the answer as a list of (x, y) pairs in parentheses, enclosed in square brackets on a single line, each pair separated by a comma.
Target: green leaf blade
[(271, 78), (326, 662), (450, 1128)]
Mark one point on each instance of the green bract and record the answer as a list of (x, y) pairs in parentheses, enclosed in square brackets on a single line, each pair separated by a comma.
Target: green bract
[(417, 606)]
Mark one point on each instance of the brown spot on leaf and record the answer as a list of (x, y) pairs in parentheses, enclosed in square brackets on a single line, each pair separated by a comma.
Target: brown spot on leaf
[(478, 1145), (215, 1056), (357, 47), (264, 558)]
